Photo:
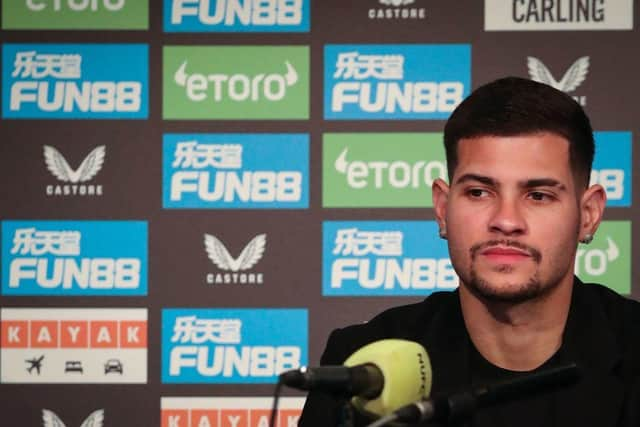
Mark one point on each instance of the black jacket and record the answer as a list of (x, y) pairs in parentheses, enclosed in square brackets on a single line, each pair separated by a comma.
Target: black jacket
[(602, 335)]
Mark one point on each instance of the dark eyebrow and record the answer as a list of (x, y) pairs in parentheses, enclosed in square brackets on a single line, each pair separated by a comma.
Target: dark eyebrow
[(543, 182), (529, 183), (480, 178)]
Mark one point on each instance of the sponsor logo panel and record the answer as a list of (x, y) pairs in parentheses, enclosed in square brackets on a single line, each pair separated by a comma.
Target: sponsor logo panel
[(72, 258), (612, 166), (573, 77), (235, 270), (242, 171), (397, 10), (74, 182), (395, 81), (230, 16), (82, 81), (73, 345), (253, 82), (75, 14), (382, 169), (607, 260), (234, 346), (228, 411), (51, 419), (552, 15), (384, 258)]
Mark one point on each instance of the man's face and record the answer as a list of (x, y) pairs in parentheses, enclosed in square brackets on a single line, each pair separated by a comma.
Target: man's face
[(512, 215)]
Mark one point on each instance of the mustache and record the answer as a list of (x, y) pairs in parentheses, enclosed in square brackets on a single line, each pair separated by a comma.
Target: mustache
[(533, 252)]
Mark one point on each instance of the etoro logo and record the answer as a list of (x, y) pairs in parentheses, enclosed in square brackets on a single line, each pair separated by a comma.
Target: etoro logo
[(607, 260), (73, 345), (229, 411), (381, 169), (236, 171), (74, 258), (253, 82), (612, 166), (250, 255), (50, 419), (232, 345), (236, 16), (238, 87), (570, 81), (384, 258), (59, 168), (395, 81), (397, 9), (90, 81), (75, 14)]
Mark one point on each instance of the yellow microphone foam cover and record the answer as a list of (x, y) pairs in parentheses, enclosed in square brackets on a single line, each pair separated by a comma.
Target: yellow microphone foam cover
[(407, 374)]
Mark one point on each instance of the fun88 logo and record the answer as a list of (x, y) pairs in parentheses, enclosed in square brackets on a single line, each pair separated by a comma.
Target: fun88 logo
[(612, 166), (395, 81), (387, 258), (245, 171), (213, 346), (68, 258), (89, 81), (228, 16)]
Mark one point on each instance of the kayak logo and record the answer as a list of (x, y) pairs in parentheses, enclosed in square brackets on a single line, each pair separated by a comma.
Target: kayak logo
[(252, 82), (612, 166), (228, 411), (395, 81), (75, 81), (236, 15), (397, 9), (572, 78), (384, 258), (236, 171), (551, 15), (231, 346), (50, 419), (381, 170), (59, 168), (73, 345), (67, 258), (75, 14), (250, 256), (237, 87), (607, 260)]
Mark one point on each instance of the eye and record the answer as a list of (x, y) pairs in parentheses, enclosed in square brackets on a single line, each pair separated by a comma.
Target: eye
[(540, 196), (477, 193)]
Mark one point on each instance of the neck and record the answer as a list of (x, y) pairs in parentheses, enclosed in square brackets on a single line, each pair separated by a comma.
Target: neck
[(518, 337)]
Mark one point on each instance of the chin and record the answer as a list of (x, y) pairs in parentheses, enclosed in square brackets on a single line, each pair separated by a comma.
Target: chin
[(500, 289)]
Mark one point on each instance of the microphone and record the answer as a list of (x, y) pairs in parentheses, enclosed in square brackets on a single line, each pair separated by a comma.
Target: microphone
[(381, 377), (463, 404)]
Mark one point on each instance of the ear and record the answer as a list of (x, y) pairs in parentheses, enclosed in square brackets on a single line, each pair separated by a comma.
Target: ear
[(591, 209), (440, 196)]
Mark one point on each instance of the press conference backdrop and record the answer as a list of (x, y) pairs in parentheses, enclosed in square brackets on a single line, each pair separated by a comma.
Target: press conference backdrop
[(196, 192)]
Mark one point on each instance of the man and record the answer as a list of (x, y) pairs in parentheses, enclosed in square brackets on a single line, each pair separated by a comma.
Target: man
[(517, 204)]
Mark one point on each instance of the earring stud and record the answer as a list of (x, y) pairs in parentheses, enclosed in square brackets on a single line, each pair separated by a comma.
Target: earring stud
[(588, 238), (443, 233)]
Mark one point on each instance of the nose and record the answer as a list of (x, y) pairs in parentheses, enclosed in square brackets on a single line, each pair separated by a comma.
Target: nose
[(507, 218)]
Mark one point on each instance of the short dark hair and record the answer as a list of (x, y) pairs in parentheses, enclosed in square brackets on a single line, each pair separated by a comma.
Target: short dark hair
[(515, 106)]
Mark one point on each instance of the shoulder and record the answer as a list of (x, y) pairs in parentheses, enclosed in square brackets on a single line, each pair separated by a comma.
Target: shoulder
[(619, 311), (404, 322), (618, 314)]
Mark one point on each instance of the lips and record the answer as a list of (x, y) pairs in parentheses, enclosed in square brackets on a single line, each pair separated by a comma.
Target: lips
[(505, 254)]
